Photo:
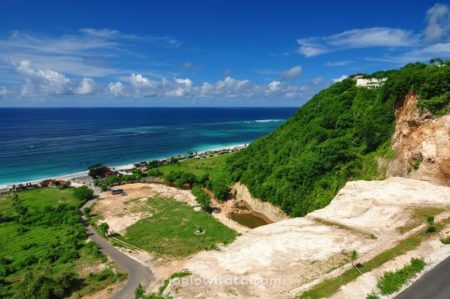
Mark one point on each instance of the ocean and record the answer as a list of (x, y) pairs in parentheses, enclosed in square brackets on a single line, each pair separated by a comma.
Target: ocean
[(38, 143)]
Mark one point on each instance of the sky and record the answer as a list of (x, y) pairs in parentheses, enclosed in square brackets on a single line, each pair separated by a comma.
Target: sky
[(205, 53)]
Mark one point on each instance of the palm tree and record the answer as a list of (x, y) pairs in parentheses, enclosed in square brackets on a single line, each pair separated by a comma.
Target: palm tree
[(353, 258)]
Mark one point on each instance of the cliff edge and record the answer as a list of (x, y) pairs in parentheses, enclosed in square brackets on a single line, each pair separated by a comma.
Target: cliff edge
[(421, 143)]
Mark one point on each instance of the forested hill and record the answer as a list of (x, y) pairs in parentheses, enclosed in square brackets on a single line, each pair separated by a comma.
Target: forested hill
[(335, 137)]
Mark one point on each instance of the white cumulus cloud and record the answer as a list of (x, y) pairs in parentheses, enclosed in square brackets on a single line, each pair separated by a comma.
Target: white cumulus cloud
[(115, 89), (274, 86), (42, 82), (293, 72), (86, 86), (178, 88), (142, 85), (139, 81)]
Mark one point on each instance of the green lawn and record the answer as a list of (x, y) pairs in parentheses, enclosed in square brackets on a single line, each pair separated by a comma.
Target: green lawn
[(42, 198), (171, 230), (215, 167), (43, 248)]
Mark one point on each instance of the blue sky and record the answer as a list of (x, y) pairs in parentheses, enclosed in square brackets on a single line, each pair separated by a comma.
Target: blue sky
[(205, 53)]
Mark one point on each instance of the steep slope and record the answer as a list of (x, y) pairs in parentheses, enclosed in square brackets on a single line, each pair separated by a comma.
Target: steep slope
[(421, 143), (281, 260), (336, 137)]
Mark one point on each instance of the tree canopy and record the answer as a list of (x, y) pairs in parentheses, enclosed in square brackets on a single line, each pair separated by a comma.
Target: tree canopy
[(301, 165)]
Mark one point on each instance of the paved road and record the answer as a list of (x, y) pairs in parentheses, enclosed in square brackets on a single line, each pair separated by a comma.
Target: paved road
[(434, 284), (137, 272)]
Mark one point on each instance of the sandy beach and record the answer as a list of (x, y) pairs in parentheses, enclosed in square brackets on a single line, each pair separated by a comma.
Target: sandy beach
[(82, 178)]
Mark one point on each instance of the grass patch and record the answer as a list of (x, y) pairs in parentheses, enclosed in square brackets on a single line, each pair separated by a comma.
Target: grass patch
[(391, 282), (171, 230), (41, 198), (418, 215), (214, 167), (173, 276)]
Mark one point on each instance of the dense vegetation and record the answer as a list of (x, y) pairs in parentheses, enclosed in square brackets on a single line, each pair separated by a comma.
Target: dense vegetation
[(175, 229), (211, 173), (117, 179), (43, 243), (202, 198), (334, 137)]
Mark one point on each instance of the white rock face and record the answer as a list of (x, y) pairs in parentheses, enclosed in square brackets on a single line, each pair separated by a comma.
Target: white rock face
[(299, 250)]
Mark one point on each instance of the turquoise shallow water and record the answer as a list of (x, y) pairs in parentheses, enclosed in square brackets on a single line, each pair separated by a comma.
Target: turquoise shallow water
[(40, 143)]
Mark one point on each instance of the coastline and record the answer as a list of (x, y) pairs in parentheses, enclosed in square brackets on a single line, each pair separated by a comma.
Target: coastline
[(81, 174)]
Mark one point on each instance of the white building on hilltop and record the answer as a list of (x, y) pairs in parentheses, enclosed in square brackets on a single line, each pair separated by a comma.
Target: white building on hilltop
[(369, 82)]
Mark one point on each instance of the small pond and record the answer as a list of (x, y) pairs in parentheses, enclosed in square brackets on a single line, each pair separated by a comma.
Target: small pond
[(249, 219)]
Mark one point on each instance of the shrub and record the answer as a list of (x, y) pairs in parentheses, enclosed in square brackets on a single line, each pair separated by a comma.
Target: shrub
[(202, 198), (87, 211), (180, 178), (431, 227), (445, 240), (391, 282), (220, 189), (372, 296), (104, 227), (83, 193), (154, 172), (94, 250)]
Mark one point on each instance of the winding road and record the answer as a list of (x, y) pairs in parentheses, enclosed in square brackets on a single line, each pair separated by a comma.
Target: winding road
[(434, 284), (137, 272)]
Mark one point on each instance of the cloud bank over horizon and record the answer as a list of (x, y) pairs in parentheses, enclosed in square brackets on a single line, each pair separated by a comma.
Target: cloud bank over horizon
[(116, 64)]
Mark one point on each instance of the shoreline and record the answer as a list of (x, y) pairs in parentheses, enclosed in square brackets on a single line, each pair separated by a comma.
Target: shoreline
[(81, 174)]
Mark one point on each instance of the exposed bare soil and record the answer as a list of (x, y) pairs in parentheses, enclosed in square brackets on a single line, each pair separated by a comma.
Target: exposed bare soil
[(364, 216)]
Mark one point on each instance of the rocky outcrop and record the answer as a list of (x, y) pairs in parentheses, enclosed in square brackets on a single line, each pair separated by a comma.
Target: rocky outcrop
[(421, 143), (272, 212)]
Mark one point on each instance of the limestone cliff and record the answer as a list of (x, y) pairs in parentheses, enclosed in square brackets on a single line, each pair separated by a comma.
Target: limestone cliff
[(421, 143)]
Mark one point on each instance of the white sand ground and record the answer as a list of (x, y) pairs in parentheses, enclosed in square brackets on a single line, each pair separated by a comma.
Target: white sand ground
[(298, 251)]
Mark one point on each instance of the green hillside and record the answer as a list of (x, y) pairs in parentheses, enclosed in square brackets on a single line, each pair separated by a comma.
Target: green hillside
[(335, 137)]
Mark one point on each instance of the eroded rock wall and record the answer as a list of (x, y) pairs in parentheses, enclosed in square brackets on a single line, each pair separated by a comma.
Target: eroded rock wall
[(272, 212), (421, 143)]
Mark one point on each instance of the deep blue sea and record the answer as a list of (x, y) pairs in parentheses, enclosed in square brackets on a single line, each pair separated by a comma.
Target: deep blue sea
[(45, 142)]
